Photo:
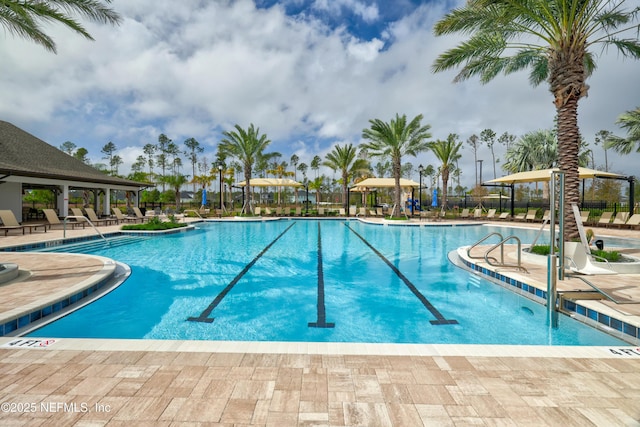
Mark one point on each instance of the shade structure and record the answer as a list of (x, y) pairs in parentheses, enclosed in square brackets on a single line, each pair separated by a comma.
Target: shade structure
[(270, 182), (545, 175), (385, 183)]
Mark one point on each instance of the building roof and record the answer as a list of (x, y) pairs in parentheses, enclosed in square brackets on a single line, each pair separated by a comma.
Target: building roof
[(25, 155)]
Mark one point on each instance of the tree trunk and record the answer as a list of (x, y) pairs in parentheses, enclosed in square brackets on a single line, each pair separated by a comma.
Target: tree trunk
[(567, 83), (397, 196)]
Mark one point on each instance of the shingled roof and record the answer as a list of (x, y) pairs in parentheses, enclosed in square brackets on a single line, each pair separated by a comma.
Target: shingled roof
[(23, 154)]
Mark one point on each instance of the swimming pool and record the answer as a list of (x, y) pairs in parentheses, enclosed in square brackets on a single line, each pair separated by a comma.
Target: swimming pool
[(315, 281)]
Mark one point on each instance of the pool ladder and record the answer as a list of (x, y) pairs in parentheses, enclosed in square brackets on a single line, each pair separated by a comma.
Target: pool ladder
[(494, 261)]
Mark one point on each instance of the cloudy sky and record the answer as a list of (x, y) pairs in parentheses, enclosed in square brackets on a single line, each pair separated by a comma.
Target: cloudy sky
[(309, 73)]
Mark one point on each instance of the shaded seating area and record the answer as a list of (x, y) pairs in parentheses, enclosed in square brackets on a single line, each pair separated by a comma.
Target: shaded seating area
[(9, 222)]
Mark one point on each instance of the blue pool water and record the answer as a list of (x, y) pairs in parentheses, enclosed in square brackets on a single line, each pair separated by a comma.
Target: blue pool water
[(307, 280)]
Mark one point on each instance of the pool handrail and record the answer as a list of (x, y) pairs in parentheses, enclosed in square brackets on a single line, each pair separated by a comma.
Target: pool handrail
[(495, 233), (501, 263), (80, 218)]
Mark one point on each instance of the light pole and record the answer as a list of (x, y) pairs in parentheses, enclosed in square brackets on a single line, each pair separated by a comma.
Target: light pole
[(420, 170), (220, 168)]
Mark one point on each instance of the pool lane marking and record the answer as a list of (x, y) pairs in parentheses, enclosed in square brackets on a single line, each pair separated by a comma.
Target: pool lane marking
[(322, 314), (204, 316), (440, 318)]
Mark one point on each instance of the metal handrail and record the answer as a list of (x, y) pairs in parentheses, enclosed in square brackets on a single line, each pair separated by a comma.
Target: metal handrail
[(597, 289), (81, 218), (495, 233), (501, 262)]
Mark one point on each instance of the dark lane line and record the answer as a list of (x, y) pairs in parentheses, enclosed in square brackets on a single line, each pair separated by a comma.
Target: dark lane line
[(440, 318), (204, 316), (322, 315)]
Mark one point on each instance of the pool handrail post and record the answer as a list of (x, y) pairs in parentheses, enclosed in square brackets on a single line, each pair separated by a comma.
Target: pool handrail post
[(552, 313)]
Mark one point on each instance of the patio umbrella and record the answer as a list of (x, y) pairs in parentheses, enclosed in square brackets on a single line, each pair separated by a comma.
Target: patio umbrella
[(434, 202), (204, 197)]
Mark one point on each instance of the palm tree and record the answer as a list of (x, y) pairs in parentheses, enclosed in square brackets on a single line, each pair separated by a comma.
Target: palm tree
[(631, 122), (175, 182), (246, 146), (344, 159), (24, 18), (395, 140), (315, 164), (447, 152), (551, 37)]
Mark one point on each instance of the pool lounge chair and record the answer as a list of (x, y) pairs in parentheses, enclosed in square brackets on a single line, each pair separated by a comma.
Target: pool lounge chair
[(138, 212), (464, 213), (9, 222), (633, 222), (120, 217), (53, 220), (531, 215), (605, 218), (343, 212), (298, 211), (504, 215), (620, 219), (520, 217), (578, 260), (491, 214), (321, 212), (91, 214), (584, 216), (477, 213)]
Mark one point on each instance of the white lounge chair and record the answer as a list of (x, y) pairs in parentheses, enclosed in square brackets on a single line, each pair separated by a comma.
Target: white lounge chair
[(578, 260)]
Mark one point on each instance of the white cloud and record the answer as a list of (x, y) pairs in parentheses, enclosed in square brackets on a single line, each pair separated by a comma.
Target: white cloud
[(193, 72)]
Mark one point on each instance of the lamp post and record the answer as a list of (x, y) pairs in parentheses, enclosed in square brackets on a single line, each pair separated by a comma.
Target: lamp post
[(220, 168), (306, 202), (480, 161), (420, 170)]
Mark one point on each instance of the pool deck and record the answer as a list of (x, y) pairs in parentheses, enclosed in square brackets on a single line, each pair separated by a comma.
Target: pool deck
[(89, 382)]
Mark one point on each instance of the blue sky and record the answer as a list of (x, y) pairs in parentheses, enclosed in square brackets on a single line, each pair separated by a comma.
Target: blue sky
[(309, 73)]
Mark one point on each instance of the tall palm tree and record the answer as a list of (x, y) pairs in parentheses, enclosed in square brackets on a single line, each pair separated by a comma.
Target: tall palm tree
[(533, 151), (395, 140), (344, 159), (447, 152), (551, 37), (246, 146), (631, 122), (24, 18)]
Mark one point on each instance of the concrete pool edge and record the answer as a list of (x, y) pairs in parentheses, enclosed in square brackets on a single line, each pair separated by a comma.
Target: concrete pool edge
[(319, 348)]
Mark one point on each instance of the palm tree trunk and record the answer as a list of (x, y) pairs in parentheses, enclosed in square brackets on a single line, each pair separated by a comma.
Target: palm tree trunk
[(397, 196), (567, 83), (568, 146)]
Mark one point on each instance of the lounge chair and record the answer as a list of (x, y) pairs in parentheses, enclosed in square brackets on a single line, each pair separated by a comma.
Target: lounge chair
[(520, 217), (120, 217), (546, 216), (321, 212), (9, 222), (531, 215), (91, 214), (584, 216), (578, 260), (268, 211), (379, 212), (257, 210), (52, 219), (352, 211), (605, 218), (491, 214), (343, 212), (477, 213), (504, 215), (138, 212), (278, 211), (298, 211), (362, 212), (633, 222), (620, 219), (464, 213)]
